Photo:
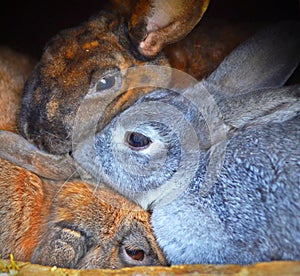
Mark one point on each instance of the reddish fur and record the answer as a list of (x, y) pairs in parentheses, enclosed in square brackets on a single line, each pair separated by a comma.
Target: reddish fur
[(28, 203), (22, 201), (14, 69)]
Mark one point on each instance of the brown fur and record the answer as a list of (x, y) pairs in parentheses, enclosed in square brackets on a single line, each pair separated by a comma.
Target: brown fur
[(77, 58), (64, 75), (91, 225), (14, 69), (154, 24)]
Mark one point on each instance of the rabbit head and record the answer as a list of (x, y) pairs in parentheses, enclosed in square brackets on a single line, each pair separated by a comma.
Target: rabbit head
[(90, 228), (159, 144), (71, 224), (85, 58)]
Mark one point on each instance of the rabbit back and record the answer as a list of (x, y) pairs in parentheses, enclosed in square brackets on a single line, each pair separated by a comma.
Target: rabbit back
[(22, 203), (250, 214)]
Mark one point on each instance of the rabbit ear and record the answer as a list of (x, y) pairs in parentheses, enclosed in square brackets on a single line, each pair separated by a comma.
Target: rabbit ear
[(261, 107), (266, 60), (156, 23), (19, 151), (60, 246)]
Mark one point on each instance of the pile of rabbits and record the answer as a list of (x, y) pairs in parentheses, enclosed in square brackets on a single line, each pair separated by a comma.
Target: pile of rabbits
[(218, 163), (64, 224), (220, 175)]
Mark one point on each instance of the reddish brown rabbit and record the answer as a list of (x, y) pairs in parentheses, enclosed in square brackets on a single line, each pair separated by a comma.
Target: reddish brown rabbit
[(71, 224), (87, 57)]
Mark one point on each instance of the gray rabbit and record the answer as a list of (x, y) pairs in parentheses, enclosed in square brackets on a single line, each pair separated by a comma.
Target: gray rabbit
[(218, 164)]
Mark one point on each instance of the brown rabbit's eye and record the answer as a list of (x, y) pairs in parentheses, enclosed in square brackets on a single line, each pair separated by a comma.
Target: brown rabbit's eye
[(137, 255), (137, 140), (105, 83)]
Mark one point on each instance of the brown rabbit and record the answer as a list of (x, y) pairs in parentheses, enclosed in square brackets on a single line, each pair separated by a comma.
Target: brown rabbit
[(86, 57), (72, 225)]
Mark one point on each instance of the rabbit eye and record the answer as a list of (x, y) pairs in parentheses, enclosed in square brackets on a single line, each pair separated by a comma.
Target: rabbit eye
[(105, 83), (137, 255), (137, 141)]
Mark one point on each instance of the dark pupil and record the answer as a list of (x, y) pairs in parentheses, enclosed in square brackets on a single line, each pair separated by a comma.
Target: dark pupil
[(138, 140), (105, 83), (137, 255)]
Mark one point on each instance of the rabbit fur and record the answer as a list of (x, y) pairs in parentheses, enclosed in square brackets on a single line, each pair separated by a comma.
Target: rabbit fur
[(14, 70), (15, 67), (78, 59), (218, 164), (71, 224), (65, 224)]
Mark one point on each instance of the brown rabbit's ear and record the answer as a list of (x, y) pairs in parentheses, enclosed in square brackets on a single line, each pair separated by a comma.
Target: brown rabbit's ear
[(60, 246), (19, 151), (156, 23)]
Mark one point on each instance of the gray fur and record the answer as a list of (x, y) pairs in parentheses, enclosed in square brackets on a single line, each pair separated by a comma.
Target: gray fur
[(222, 174)]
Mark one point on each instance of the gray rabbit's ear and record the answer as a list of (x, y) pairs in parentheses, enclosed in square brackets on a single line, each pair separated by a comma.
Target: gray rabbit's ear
[(257, 107), (266, 60), (156, 23), (15, 149)]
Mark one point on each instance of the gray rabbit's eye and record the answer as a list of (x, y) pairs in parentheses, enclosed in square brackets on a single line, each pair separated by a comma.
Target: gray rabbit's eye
[(105, 83), (137, 141)]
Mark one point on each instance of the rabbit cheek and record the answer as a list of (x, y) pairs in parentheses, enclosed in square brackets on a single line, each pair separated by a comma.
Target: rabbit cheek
[(100, 257)]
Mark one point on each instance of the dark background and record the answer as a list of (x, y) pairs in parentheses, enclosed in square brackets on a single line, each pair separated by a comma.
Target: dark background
[(27, 25)]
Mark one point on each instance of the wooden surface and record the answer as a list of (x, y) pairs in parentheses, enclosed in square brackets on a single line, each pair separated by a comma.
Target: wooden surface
[(272, 268)]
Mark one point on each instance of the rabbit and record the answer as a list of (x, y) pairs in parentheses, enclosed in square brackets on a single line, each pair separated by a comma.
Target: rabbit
[(79, 58), (71, 224), (82, 58), (218, 163)]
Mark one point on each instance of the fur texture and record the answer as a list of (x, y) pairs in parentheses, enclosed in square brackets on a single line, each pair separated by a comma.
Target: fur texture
[(78, 59), (72, 224), (218, 163), (67, 224), (14, 70)]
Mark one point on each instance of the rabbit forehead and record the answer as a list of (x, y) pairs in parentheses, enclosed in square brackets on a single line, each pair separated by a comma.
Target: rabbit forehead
[(72, 65), (99, 212)]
